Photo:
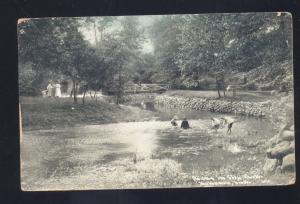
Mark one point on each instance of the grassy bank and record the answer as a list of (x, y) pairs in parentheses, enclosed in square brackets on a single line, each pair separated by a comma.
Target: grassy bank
[(47, 113)]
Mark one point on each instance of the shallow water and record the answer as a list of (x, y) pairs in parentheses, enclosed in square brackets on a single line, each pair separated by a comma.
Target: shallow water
[(150, 154)]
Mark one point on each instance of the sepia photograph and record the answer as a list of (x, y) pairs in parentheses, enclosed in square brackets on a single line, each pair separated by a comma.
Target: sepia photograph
[(156, 101)]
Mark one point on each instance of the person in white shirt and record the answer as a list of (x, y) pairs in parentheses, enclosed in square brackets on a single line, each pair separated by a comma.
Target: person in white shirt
[(57, 90), (215, 123), (49, 89)]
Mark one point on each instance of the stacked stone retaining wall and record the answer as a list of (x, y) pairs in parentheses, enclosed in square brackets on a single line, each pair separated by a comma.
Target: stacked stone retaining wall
[(257, 109)]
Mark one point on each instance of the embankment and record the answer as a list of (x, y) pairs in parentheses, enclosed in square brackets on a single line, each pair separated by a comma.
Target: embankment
[(257, 109)]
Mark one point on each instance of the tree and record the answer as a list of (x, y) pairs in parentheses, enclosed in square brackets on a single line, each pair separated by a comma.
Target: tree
[(121, 49), (37, 41), (57, 46), (165, 33), (75, 52), (194, 47)]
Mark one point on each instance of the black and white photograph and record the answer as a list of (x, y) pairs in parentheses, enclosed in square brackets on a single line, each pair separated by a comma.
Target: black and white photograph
[(156, 101)]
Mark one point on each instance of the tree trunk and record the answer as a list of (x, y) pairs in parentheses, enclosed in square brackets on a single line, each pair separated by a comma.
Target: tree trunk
[(218, 87), (95, 96), (83, 97), (219, 92), (75, 90), (119, 89)]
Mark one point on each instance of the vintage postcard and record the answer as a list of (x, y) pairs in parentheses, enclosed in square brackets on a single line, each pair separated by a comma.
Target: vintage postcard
[(165, 101)]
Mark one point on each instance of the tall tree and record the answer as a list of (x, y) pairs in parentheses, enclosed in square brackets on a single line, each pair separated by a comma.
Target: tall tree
[(165, 33), (123, 47)]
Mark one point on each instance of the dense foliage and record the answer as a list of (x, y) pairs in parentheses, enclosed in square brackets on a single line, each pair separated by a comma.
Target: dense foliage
[(252, 50), (190, 49)]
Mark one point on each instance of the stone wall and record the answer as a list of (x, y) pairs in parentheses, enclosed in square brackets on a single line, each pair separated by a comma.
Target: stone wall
[(257, 109), (280, 155)]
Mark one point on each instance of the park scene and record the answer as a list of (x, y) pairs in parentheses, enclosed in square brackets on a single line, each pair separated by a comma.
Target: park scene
[(165, 101)]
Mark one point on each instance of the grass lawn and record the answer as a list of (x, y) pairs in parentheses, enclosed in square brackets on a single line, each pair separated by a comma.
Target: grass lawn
[(47, 113), (251, 96)]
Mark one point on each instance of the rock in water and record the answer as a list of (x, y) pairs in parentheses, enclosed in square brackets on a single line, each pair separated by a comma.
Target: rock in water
[(288, 163), (280, 150), (270, 165)]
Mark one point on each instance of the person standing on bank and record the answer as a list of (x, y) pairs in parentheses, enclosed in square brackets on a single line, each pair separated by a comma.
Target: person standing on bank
[(57, 90), (49, 89), (185, 124)]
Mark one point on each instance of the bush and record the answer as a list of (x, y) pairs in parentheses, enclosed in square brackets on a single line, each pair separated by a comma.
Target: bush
[(29, 91), (206, 83), (251, 86)]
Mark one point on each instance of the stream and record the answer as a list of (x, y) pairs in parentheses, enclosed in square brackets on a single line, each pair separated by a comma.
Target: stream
[(146, 154)]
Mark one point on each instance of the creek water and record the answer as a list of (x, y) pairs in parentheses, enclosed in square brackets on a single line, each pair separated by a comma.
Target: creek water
[(146, 154)]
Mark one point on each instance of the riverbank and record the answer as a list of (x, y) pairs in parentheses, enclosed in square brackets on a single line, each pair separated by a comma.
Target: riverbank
[(258, 106), (50, 113), (257, 109)]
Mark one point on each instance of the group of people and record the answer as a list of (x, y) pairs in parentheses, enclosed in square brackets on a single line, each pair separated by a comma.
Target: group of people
[(53, 90), (216, 123)]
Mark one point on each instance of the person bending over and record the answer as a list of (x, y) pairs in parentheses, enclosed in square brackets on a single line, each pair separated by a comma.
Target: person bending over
[(215, 123), (173, 122)]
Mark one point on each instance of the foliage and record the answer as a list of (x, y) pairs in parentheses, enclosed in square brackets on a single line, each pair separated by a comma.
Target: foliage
[(189, 52), (122, 53), (195, 46)]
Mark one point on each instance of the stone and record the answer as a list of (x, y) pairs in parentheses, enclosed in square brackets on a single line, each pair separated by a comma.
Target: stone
[(278, 170), (288, 163), (292, 128), (280, 150), (273, 141), (270, 165), (287, 135)]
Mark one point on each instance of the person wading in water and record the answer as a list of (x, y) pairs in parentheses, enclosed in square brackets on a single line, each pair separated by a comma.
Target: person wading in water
[(215, 123), (185, 124), (174, 121), (229, 121)]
